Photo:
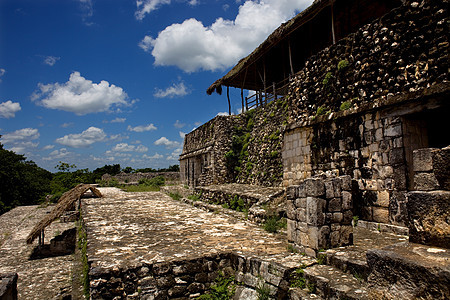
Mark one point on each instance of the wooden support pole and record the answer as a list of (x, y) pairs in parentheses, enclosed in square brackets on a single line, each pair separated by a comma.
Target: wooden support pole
[(274, 91), (229, 102), (242, 98), (246, 104), (332, 22), (290, 58)]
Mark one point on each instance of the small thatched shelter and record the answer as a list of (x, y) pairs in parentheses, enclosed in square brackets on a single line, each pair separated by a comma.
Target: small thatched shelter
[(67, 202)]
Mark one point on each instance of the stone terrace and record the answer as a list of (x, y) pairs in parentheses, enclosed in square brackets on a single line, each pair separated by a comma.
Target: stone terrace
[(46, 278), (126, 229)]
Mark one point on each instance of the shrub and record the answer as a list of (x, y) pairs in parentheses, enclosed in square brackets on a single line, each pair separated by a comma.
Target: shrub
[(222, 289), (345, 105), (175, 196), (343, 64)]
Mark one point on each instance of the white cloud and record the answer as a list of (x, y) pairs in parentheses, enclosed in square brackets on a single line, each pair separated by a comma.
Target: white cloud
[(21, 140), (222, 114), (67, 125), (163, 141), (51, 60), (142, 128), (2, 72), (194, 2), (80, 96), (182, 134), (155, 156), (147, 6), (59, 154), (192, 46), (88, 11), (118, 120), (48, 147), (175, 90), (8, 109), (175, 155), (124, 147), (84, 139), (178, 124), (118, 137)]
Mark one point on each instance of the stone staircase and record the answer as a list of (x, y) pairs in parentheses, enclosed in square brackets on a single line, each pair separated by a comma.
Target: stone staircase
[(341, 273)]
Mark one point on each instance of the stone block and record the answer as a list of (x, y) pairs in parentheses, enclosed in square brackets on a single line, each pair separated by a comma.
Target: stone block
[(291, 192), (291, 228), (301, 190), (290, 209), (380, 214), (347, 200), (335, 205), (441, 167), (332, 188), (423, 160), (425, 182), (409, 271), (315, 211), (335, 237), (428, 218), (323, 241), (302, 226), (399, 177), (396, 156), (346, 235), (337, 217), (314, 187), (393, 131), (301, 215), (347, 217), (300, 202), (383, 198), (346, 182)]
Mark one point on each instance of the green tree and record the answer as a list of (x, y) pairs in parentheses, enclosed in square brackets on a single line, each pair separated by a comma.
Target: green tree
[(22, 182)]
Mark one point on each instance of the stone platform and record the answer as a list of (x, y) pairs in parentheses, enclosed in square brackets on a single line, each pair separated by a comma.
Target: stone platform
[(47, 278)]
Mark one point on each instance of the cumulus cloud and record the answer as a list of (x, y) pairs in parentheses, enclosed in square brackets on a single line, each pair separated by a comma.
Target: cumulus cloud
[(178, 124), (51, 60), (142, 128), (118, 120), (124, 147), (21, 140), (59, 154), (48, 147), (80, 96), (2, 72), (175, 155), (163, 141), (155, 156), (8, 109), (192, 46), (175, 90), (84, 139), (67, 125), (182, 134)]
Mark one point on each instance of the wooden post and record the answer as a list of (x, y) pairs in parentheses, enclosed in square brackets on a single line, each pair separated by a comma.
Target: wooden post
[(290, 58), (332, 22), (242, 98), (274, 91), (229, 103), (246, 104)]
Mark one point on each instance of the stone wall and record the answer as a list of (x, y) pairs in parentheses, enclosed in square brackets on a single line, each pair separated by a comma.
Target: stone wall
[(361, 106), (8, 286), (319, 212), (189, 279), (429, 205), (404, 51)]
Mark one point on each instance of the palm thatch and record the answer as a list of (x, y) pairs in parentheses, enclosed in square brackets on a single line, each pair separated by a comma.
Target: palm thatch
[(65, 203)]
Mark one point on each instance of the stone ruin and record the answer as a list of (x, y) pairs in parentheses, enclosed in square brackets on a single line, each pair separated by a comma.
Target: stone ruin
[(359, 134)]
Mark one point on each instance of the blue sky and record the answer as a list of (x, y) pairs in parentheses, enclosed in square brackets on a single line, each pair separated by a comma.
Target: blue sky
[(95, 82)]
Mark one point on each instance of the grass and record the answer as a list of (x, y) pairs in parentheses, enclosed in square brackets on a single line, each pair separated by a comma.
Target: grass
[(140, 188), (274, 223), (222, 289), (297, 278), (175, 196), (82, 245), (262, 291)]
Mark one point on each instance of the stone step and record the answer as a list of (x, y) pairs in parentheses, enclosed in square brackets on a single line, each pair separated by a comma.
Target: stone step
[(301, 294), (352, 259), (331, 283)]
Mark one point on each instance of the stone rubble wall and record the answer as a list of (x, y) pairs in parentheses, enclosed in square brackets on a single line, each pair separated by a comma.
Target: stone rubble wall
[(404, 51), (189, 279), (319, 212), (429, 205), (135, 177), (8, 286)]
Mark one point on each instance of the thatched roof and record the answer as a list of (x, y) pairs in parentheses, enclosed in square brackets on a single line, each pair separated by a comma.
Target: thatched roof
[(65, 203), (303, 36)]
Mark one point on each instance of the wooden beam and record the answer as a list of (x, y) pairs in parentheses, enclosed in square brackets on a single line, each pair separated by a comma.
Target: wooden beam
[(290, 58), (332, 22)]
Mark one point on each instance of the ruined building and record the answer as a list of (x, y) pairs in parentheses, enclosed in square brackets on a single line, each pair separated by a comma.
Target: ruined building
[(351, 98)]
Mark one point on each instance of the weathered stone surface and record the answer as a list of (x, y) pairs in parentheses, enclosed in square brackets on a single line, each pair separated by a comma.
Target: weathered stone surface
[(428, 217), (45, 278), (315, 211), (441, 167), (314, 187), (410, 271), (8, 286), (425, 182), (423, 160)]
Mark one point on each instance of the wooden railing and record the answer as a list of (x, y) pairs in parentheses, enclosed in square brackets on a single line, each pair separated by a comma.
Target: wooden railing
[(262, 97)]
